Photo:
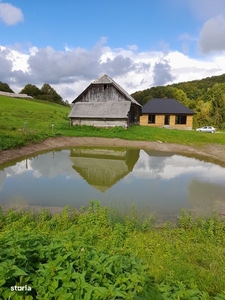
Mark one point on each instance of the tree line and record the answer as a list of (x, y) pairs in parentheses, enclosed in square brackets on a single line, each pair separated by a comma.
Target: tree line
[(206, 97), (46, 92)]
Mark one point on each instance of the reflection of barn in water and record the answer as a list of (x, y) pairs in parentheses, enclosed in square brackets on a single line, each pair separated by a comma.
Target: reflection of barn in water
[(102, 168)]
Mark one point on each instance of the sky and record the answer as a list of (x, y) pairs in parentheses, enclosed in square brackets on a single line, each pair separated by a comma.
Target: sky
[(140, 44)]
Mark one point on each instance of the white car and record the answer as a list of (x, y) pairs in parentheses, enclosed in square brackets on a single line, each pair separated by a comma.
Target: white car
[(206, 129)]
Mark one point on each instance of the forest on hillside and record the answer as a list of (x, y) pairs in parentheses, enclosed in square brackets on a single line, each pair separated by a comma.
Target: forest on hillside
[(206, 97)]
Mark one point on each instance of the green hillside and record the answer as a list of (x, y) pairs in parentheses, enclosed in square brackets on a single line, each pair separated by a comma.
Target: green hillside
[(193, 89), (206, 97), (38, 114), (24, 120), (198, 88)]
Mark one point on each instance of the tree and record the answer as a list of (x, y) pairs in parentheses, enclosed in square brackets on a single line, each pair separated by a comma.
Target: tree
[(161, 92), (203, 113), (178, 95), (31, 90), (49, 94), (218, 105), (4, 87)]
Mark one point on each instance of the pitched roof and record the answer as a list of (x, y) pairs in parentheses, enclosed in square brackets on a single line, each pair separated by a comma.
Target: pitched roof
[(165, 106), (105, 79), (117, 110)]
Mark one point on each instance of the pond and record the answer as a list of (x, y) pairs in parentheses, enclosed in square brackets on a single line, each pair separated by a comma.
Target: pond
[(158, 183)]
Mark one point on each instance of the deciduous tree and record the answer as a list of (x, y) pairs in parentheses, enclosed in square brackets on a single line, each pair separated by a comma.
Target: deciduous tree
[(31, 90), (218, 105)]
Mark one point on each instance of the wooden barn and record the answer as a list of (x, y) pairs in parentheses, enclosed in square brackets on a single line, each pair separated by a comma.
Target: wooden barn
[(167, 113), (105, 104)]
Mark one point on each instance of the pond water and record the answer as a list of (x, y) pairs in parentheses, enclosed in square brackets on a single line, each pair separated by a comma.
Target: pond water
[(157, 183)]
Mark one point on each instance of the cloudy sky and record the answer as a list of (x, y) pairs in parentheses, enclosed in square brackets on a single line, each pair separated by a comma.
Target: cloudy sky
[(140, 44)]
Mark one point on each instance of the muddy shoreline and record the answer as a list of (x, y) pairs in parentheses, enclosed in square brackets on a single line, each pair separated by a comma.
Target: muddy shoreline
[(213, 152)]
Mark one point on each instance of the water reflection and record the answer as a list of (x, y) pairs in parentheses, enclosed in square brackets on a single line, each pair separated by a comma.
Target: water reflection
[(102, 168), (209, 195), (157, 182), (197, 185)]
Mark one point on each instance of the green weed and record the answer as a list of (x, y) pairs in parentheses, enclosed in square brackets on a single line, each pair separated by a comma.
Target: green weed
[(88, 254)]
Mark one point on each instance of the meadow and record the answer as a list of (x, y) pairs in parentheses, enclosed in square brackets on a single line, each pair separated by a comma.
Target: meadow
[(94, 253), (24, 121)]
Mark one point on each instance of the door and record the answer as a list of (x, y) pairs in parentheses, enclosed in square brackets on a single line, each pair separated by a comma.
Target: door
[(167, 120)]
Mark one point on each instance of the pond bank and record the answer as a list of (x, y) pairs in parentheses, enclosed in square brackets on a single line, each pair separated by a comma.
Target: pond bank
[(211, 152)]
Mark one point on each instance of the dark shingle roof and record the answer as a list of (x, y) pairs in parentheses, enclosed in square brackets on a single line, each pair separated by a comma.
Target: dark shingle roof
[(165, 106)]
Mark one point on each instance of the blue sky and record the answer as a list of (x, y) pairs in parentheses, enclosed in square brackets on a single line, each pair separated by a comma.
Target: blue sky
[(140, 44)]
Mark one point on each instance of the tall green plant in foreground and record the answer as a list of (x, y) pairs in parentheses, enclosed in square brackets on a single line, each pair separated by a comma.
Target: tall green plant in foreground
[(88, 254)]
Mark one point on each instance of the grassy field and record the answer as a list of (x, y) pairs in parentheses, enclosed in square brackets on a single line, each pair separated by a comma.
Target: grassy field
[(91, 255), (39, 117), (94, 253), (24, 121)]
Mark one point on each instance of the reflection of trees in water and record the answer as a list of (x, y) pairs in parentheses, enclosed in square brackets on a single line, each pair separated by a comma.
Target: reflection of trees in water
[(102, 168), (206, 197)]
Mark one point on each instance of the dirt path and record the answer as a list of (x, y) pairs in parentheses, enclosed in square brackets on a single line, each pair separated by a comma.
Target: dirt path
[(213, 153)]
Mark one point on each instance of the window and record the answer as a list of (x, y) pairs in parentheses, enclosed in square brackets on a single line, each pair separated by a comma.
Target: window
[(181, 119), (151, 119)]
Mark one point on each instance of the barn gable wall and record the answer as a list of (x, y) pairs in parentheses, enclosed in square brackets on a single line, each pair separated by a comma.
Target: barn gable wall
[(101, 93)]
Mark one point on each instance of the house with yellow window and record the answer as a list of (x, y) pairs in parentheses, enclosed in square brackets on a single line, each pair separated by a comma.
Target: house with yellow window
[(166, 113)]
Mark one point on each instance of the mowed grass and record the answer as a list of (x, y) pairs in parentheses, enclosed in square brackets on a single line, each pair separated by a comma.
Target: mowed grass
[(145, 133), (39, 115), (24, 121)]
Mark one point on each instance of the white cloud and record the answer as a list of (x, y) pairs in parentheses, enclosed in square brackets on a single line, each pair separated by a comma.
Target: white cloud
[(70, 71), (162, 73), (212, 36), (43, 168), (202, 9), (187, 40), (132, 47), (170, 167), (208, 8), (18, 60), (10, 14)]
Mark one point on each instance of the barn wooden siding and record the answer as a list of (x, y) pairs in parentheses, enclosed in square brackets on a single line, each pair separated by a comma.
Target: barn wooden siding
[(101, 93), (99, 122)]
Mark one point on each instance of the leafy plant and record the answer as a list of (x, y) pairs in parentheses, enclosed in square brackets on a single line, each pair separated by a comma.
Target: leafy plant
[(85, 255)]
